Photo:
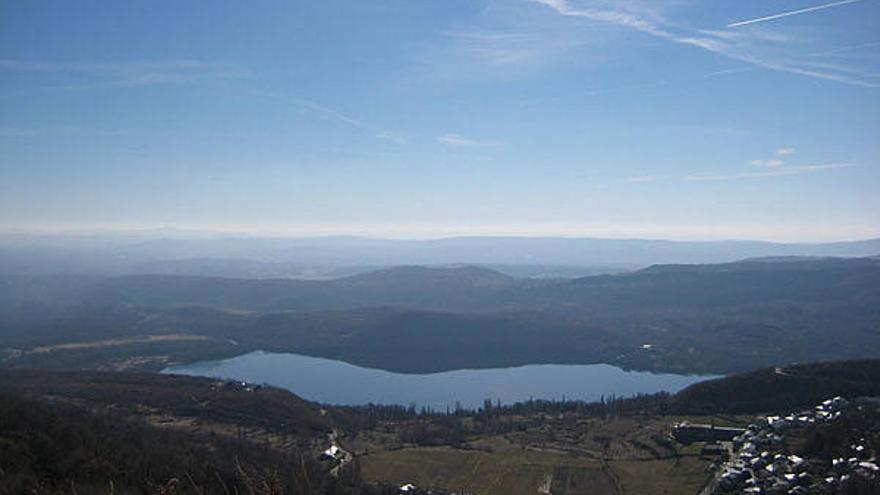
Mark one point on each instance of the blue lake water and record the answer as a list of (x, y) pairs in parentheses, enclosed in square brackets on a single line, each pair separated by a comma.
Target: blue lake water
[(337, 382)]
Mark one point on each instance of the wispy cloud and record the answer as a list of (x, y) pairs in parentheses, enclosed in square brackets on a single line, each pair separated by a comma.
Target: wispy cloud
[(506, 46), (327, 113), (131, 74), (767, 168), (452, 139), (802, 169), (714, 42), (16, 132), (774, 162), (641, 178), (781, 171), (767, 163), (791, 13), (498, 47), (332, 114), (747, 35), (845, 49), (616, 17), (221, 76)]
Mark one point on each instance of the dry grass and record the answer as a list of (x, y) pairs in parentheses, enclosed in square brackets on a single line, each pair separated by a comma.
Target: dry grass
[(508, 469), (595, 456), (144, 339)]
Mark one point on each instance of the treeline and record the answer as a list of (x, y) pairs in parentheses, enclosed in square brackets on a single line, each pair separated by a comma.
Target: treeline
[(771, 390), (427, 427), (368, 416)]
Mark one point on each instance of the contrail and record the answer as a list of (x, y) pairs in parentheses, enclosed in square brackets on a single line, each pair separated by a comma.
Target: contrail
[(790, 13)]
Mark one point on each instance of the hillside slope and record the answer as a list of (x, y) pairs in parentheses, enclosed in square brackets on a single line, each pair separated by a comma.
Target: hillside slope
[(786, 388), (675, 318), (87, 432)]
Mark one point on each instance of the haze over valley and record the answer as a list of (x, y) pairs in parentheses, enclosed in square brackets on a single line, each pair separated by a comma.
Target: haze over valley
[(686, 318)]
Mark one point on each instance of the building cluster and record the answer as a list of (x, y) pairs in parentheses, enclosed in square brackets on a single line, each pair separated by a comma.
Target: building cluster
[(754, 469), (686, 432)]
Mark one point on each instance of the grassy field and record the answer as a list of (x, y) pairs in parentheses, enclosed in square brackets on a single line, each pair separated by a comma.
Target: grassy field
[(580, 457), (510, 469)]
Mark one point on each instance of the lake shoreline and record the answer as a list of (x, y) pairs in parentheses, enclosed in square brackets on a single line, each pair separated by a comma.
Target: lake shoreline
[(340, 383)]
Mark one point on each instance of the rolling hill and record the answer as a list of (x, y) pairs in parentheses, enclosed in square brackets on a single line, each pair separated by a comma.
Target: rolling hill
[(678, 318)]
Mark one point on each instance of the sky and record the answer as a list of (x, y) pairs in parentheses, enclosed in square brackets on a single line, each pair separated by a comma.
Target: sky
[(677, 119)]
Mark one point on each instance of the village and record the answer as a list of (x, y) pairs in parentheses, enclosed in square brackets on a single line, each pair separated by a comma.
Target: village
[(757, 462)]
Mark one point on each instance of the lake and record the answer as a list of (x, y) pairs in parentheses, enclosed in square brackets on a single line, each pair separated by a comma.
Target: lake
[(336, 382)]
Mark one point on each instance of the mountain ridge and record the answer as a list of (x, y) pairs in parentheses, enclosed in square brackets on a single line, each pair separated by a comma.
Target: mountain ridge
[(120, 255)]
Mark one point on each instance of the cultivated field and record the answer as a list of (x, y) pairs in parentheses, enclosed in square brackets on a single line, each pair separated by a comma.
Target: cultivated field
[(562, 455)]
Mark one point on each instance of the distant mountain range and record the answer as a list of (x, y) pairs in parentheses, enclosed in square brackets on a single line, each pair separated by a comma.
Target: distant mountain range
[(331, 257), (476, 289)]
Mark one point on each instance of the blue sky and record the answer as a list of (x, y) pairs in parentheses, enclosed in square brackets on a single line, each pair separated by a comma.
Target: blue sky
[(678, 119)]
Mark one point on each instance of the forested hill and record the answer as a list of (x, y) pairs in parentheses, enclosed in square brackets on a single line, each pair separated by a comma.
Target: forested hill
[(678, 318), (759, 282), (784, 388), (104, 432), (458, 288), (471, 288)]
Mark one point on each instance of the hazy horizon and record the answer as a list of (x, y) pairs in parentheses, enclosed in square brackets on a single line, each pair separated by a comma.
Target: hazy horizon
[(408, 235)]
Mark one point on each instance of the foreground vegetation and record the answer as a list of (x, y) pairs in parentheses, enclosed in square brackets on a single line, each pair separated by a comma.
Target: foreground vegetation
[(111, 432)]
